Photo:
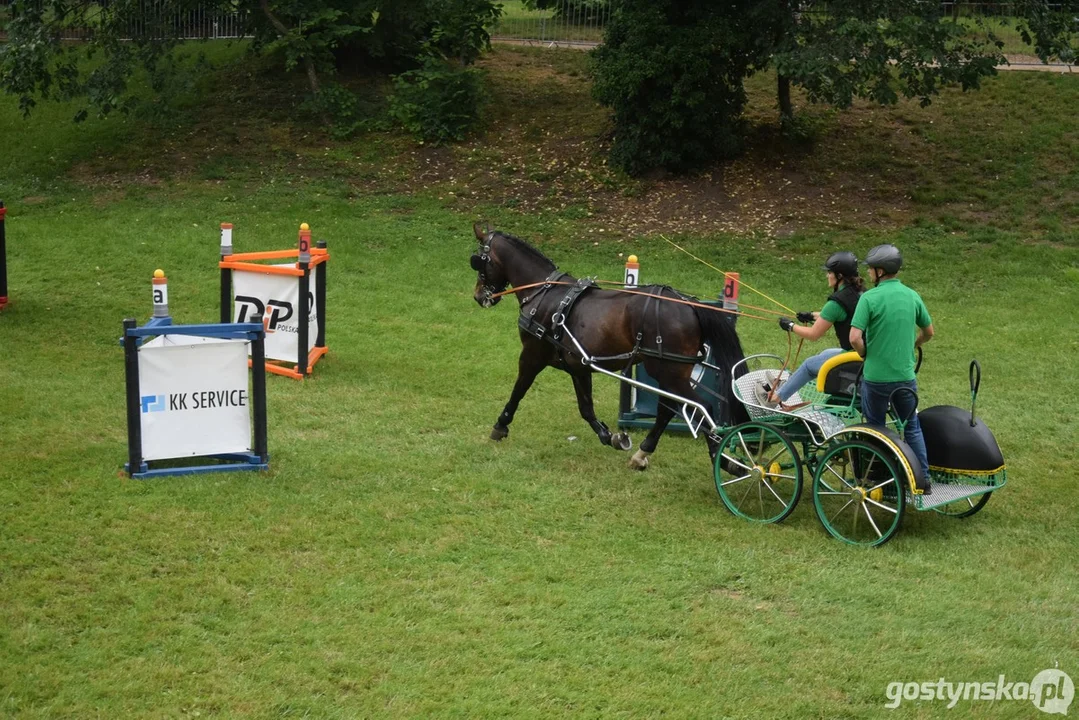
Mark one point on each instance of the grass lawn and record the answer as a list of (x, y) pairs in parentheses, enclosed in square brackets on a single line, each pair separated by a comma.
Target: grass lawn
[(394, 561)]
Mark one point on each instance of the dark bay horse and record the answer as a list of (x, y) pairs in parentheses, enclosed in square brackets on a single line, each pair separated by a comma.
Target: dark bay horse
[(617, 328)]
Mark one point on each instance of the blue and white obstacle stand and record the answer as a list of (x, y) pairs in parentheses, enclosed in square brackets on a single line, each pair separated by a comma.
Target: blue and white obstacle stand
[(188, 395)]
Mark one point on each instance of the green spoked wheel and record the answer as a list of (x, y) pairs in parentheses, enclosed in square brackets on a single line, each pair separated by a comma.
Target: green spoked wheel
[(758, 473), (858, 493), (964, 507)]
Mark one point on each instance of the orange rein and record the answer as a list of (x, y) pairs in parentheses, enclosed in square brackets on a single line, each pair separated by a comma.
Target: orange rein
[(627, 291)]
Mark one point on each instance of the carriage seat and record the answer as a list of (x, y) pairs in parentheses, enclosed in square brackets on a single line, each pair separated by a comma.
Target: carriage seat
[(839, 375)]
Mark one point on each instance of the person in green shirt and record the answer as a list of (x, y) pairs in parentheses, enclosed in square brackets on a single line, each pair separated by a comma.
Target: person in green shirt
[(847, 286), (889, 323)]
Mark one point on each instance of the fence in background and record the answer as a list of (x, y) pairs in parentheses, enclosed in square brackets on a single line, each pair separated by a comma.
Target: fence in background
[(581, 23), (551, 23), (161, 20)]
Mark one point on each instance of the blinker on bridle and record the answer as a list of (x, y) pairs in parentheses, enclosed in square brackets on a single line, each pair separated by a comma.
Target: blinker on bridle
[(479, 264)]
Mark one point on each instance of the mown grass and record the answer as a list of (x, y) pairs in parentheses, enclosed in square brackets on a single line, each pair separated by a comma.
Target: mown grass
[(394, 561)]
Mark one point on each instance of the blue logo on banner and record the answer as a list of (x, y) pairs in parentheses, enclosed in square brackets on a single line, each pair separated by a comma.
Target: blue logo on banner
[(153, 403)]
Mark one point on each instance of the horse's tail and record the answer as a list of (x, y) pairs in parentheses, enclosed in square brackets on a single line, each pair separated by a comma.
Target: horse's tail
[(718, 331)]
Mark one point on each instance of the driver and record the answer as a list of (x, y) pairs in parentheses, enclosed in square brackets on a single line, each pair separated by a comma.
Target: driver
[(841, 270), (890, 322)]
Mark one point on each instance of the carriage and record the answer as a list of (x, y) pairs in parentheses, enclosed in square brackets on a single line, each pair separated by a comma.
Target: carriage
[(863, 478)]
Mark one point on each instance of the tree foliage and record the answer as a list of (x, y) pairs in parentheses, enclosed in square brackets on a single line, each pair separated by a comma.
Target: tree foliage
[(315, 36), (671, 71), (840, 50), (438, 101)]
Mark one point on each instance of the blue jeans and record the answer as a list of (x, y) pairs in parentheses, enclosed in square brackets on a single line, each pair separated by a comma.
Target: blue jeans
[(875, 408), (808, 371)]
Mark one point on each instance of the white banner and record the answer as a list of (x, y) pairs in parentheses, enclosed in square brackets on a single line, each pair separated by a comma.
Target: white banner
[(194, 397), (277, 298)]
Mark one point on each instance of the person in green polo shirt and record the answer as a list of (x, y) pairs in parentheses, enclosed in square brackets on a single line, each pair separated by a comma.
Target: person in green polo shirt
[(889, 323)]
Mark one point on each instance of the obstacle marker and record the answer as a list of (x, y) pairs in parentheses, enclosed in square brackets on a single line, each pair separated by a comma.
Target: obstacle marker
[(188, 394), (637, 409), (3, 258), (633, 271), (293, 311)]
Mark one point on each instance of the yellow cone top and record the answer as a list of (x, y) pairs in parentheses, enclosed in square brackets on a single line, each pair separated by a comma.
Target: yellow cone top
[(632, 259), (159, 273), (304, 226)]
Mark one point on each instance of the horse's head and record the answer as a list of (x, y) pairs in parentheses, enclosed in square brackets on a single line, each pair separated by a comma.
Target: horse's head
[(490, 275)]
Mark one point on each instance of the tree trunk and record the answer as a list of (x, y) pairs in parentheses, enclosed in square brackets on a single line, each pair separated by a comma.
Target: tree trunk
[(783, 91), (312, 76)]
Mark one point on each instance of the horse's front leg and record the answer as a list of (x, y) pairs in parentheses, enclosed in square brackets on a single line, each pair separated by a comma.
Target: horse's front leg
[(529, 365), (582, 384)]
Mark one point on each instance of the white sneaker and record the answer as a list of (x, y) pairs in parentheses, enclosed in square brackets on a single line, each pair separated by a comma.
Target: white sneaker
[(760, 394)]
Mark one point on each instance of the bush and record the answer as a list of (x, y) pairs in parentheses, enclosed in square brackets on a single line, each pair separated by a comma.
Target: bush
[(345, 112), (672, 71), (439, 101)]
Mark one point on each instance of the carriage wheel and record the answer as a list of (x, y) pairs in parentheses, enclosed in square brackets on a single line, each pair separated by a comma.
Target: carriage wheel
[(858, 493), (758, 473), (964, 507)]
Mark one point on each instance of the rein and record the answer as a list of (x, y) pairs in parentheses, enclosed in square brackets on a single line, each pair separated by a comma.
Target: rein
[(513, 290)]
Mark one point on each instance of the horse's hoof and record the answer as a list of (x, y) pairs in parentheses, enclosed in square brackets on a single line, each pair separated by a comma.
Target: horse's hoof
[(639, 461), (621, 441), (498, 433)]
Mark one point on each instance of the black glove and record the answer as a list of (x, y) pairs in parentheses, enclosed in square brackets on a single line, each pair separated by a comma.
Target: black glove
[(786, 324), (806, 317)]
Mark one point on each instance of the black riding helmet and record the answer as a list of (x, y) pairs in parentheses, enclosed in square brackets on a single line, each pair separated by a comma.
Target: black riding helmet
[(886, 257), (843, 264)]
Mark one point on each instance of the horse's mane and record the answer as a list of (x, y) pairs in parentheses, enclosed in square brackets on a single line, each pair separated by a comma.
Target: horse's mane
[(528, 248)]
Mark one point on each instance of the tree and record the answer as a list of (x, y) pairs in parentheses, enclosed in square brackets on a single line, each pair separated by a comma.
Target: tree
[(315, 35), (672, 70), (882, 50)]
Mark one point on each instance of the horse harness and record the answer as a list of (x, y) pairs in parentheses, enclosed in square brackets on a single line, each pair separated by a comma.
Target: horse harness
[(558, 331)]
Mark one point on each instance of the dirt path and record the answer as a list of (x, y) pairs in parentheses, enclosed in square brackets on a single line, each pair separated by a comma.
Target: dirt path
[(1015, 62)]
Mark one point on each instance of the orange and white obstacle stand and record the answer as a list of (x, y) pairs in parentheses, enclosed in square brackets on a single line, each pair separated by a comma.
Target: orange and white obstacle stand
[(291, 302), (3, 258)]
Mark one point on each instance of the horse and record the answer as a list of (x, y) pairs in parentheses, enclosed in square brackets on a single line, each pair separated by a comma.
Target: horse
[(617, 328)]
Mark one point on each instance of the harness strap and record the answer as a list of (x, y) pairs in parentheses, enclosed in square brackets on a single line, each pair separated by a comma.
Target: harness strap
[(659, 336), (546, 285), (561, 315)]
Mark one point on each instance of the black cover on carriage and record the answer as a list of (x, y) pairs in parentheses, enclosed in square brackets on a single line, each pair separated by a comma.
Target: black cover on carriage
[(953, 444)]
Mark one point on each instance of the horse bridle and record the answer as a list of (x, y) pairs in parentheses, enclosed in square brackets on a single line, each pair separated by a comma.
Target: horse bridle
[(479, 262)]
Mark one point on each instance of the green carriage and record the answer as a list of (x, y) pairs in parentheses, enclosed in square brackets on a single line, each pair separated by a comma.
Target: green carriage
[(863, 478)]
